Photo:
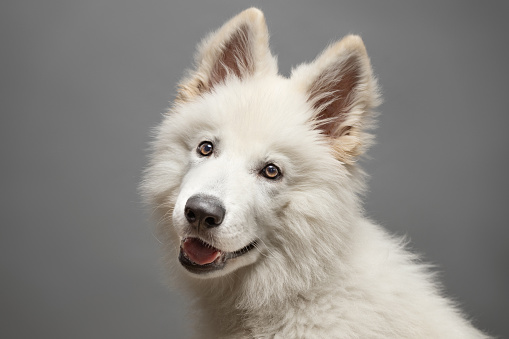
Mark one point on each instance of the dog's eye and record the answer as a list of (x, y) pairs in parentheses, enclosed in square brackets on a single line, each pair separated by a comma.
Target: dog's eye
[(205, 148), (271, 171)]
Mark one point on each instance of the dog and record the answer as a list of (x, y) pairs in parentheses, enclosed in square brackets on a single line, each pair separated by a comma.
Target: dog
[(255, 182)]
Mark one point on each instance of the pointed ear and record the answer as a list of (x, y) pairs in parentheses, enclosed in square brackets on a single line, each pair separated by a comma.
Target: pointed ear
[(342, 91), (239, 48)]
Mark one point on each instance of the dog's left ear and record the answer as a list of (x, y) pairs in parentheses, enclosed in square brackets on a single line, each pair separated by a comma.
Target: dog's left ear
[(240, 48), (342, 91)]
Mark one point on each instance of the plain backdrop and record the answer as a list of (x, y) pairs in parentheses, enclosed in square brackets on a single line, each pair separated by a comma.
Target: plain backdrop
[(83, 83)]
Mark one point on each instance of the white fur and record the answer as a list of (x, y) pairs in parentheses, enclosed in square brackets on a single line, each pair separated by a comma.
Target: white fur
[(320, 269)]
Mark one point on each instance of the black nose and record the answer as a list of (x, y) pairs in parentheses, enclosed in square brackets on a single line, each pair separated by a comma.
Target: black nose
[(204, 211)]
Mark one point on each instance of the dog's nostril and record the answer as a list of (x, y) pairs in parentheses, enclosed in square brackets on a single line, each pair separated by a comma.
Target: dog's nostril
[(204, 211), (210, 222), (190, 216)]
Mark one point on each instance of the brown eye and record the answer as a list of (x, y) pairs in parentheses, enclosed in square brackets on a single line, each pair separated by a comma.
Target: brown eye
[(205, 148), (271, 171)]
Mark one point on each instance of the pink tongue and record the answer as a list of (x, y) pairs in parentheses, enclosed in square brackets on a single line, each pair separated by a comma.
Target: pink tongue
[(199, 252)]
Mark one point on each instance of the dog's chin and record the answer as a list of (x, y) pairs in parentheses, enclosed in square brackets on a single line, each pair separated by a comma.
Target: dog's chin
[(203, 260)]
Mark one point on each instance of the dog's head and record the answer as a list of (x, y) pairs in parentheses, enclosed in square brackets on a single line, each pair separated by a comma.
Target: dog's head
[(253, 171)]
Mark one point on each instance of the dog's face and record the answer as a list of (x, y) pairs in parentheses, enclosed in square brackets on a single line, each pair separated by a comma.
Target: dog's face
[(243, 160), (243, 156)]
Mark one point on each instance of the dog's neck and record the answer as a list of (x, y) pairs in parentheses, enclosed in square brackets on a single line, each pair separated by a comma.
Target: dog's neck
[(221, 317), (229, 310)]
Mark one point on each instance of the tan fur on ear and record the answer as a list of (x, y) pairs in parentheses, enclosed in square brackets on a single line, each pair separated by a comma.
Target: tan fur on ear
[(342, 91), (239, 48)]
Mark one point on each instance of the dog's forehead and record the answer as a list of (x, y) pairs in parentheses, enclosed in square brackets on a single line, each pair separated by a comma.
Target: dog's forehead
[(258, 109)]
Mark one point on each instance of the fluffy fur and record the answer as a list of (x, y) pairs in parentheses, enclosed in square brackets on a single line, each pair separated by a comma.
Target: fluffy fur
[(320, 269)]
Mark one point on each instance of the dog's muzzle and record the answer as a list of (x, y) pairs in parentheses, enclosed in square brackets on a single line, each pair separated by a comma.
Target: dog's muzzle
[(204, 212)]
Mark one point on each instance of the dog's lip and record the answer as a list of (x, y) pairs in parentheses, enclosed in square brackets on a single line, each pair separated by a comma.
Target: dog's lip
[(218, 263)]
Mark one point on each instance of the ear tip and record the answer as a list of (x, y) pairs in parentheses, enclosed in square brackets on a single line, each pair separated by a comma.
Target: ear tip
[(254, 11), (352, 42), (251, 19), (353, 39), (252, 14)]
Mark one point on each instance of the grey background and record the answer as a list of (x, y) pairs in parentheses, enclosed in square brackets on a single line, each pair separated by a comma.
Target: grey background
[(83, 82)]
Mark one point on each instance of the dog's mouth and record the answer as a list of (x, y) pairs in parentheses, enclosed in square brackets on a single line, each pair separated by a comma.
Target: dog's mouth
[(199, 257)]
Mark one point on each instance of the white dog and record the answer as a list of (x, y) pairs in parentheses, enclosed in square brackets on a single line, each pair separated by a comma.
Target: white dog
[(255, 181)]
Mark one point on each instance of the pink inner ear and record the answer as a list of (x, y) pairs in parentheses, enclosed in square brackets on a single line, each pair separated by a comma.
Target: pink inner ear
[(236, 57), (332, 93)]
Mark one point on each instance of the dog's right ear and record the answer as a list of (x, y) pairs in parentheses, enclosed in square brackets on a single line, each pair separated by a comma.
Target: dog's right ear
[(239, 48), (342, 91)]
